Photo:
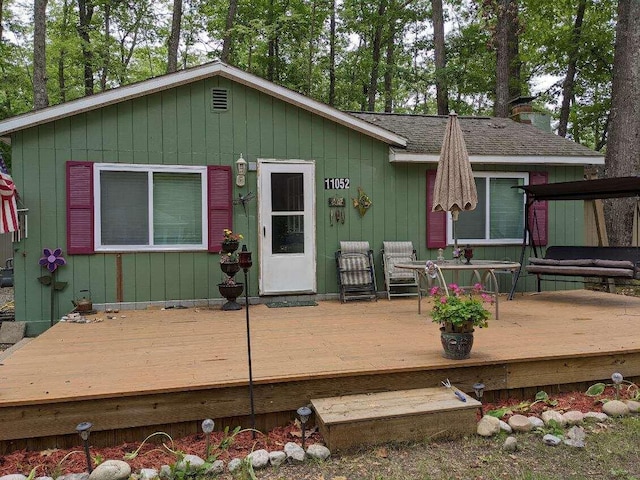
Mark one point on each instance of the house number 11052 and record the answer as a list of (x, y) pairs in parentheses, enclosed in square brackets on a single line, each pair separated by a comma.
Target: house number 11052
[(336, 183)]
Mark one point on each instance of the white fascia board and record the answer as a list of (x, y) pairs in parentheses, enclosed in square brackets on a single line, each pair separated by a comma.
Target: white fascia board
[(401, 157), (190, 75)]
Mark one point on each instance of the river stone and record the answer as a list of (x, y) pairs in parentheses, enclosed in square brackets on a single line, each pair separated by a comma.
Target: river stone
[(319, 452), (520, 423), (536, 422), (111, 470), (43, 478), (488, 426), (13, 476), (75, 476), (634, 407), (597, 416), (190, 463), (551, 440), (510, 444), (235, 464), (277, 458), (504, 426), (259, 458), (165, 472), (575, 437), (573, 417), (216, 468), (615, 408), (549, 415), (148, 473), (294, 452)]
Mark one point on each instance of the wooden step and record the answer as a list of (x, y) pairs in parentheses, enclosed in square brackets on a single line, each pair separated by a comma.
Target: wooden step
[(396, 416)]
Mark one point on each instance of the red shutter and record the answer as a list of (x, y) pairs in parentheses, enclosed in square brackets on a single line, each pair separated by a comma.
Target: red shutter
[(436, 221), (219, 203), (80, 208), (539, 212)]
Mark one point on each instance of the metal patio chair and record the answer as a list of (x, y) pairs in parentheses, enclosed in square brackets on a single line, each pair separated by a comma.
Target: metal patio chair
[(356, 271), (399, 282)]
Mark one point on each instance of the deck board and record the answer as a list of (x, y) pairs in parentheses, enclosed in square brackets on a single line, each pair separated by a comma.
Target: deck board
[(330, 349)]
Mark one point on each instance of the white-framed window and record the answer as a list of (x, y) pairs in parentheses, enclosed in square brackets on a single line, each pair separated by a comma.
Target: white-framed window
[(499, 215), (150, 207)]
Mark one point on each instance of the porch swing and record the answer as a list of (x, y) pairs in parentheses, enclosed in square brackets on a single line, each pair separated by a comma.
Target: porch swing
[(607, 262)]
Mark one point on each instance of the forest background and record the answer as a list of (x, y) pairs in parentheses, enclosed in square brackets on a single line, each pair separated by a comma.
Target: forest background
[(579, 58)]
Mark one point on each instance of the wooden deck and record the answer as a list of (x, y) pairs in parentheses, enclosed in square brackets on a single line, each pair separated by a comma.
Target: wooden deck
[(175, 367)]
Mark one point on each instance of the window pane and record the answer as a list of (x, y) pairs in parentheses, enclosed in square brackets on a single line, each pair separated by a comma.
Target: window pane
[(287, 192), (471, 224), (288, 234), (507, 210), (177, 209), (124, 213)]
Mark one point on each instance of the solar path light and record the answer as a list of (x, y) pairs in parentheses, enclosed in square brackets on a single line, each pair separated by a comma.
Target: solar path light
[(84, 430), (303, 413)]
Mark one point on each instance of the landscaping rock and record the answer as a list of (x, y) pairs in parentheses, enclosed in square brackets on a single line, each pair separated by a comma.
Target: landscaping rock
[(235, 464), (575, 437), (75, 476), (549, 415), (190, 463), (44, 478), (520, 423), (111, 470), (536, 422), (551, 440), (319, 452), (294, 452), (597, 416), (259, 458), (216, 468), (148, 474), (573, 417), (488, 426), (510, 444), (14, 476), (165, 472), (504, 426), (277, 458), (634, 407), (615, 408)]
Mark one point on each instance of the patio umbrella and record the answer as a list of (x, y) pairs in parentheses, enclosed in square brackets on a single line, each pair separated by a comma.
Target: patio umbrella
[(455, 188), (8, 207)]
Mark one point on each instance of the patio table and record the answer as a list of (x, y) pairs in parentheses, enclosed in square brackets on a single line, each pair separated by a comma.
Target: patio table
[(483, 271)]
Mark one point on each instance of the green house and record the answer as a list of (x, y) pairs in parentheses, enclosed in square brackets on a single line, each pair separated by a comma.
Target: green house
[(136, 185)]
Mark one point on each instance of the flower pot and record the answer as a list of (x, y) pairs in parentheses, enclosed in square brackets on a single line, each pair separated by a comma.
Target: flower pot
[(230, 246), (230, 268), (231, 292), (456, 345)]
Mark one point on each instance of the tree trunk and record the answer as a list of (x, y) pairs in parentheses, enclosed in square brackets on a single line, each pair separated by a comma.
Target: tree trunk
[(228, 37), (1, 10), (390, 69), (375, 56), (569, 79), (85, 13), (311, 42), (332, 55), (623, 146), (271, 47), (501, 106), (40, 94), (104, 73), (62, 84), (513, 42), (442, 95), (174, 37)]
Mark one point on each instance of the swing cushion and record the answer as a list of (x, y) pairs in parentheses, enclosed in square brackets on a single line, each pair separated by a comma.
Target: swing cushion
[(609, 262)]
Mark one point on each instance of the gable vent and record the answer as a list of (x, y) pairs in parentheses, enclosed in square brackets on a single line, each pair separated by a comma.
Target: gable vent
[(219, 99)]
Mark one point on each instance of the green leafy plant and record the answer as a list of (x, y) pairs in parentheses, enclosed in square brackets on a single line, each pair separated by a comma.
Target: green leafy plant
[(629, 389), (460, 310), (552, 427), (245, 471)]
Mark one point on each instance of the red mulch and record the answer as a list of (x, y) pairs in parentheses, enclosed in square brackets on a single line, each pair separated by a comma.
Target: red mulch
[(151, 455)]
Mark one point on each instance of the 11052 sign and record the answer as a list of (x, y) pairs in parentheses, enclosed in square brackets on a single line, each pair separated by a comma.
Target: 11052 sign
[(336, 183)]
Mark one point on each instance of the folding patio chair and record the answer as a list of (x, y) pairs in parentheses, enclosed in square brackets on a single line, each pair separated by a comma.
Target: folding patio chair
[(356, 271), (399, 282)]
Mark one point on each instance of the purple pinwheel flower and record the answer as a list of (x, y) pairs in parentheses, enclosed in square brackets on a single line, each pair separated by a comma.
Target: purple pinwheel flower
[(52, 259)]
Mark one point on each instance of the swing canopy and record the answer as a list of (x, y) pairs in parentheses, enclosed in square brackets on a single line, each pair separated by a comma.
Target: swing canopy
[(584, 189)]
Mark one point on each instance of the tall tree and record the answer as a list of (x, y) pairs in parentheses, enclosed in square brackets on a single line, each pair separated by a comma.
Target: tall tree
[(506, 18), (442, 95), (174, 37), (332, 54), (569, 79), (376, 48), (85, 12), (623, 147), (227, 36), (40, 94), (104, 71), (1, 12)]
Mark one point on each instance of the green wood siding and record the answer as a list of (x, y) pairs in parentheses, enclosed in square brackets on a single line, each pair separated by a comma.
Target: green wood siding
[(177, 126)]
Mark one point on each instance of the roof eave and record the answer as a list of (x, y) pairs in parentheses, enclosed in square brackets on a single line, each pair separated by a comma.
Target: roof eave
[(406, 157)]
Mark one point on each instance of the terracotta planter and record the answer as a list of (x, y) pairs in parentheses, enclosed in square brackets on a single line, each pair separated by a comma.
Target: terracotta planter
[(230, 246), (231, 292)]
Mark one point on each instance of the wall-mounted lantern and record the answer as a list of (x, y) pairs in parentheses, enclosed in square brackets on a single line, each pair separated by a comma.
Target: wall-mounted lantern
[(241, 171)]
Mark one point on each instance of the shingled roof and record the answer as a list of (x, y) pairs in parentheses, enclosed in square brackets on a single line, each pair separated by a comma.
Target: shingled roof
[(488, 140)]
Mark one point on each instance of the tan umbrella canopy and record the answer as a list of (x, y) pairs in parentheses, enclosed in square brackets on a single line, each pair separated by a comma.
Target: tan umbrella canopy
[(455, 189)]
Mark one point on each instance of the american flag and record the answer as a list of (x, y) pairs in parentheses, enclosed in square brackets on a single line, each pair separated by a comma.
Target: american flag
[(8, 206)]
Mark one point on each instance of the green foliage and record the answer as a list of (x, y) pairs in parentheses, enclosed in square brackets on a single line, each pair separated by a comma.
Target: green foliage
[(245, 471), (500, 412), (460, 307)]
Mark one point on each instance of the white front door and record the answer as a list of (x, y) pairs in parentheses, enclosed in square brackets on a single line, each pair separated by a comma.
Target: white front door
[(287, 226)]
